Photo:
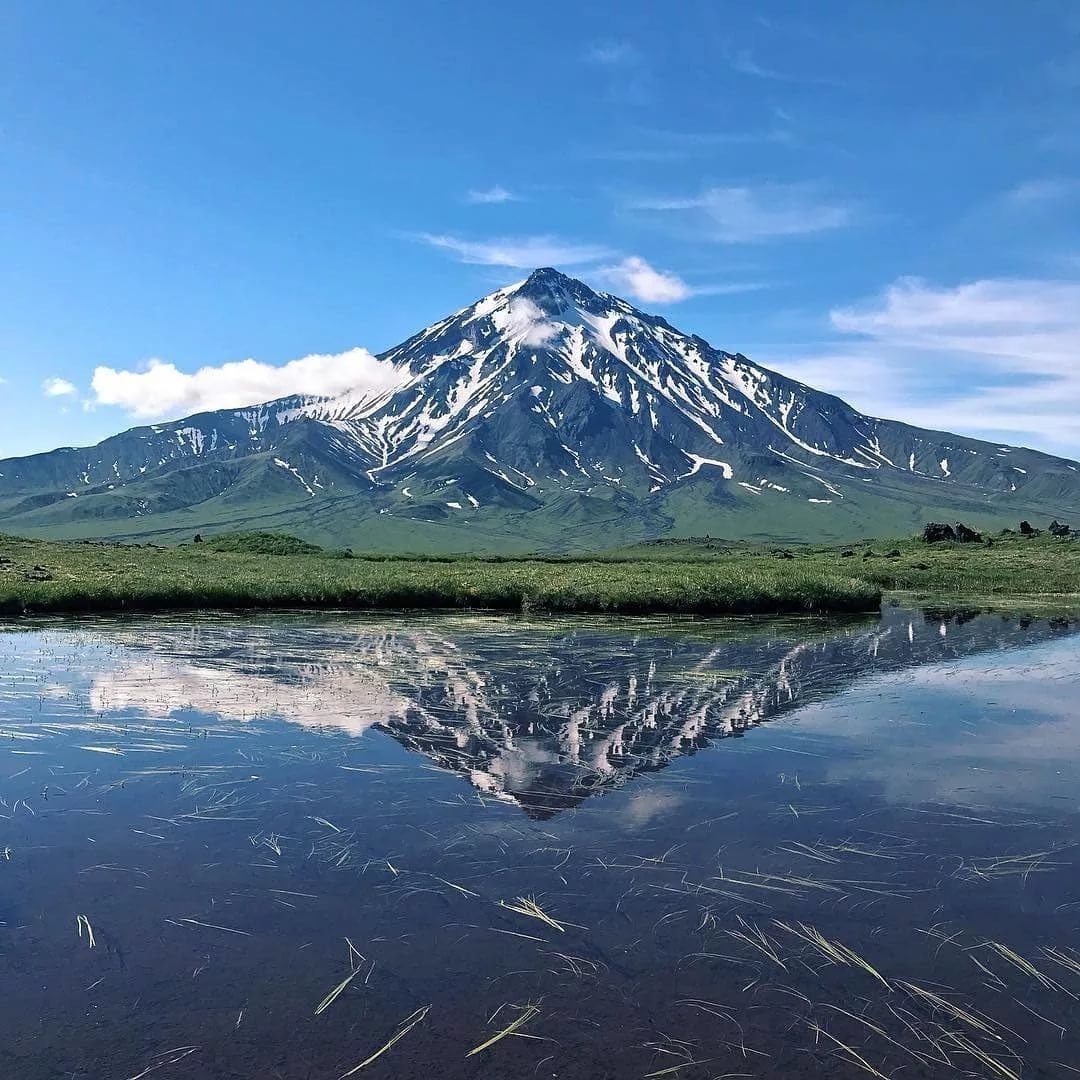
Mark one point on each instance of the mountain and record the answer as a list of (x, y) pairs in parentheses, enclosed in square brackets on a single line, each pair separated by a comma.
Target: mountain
[(545, 416)]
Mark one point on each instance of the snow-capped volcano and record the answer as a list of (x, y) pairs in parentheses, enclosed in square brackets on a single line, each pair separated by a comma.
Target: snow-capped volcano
[(543, 407)]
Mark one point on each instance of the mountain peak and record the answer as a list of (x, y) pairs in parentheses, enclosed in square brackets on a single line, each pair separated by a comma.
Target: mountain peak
[(553, 291), (548, 276)]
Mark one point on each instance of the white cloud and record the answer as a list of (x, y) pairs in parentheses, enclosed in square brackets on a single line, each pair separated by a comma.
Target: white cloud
[(613, 53), (1014, 323), (56, 387), (996, 357), (1065, 71), (528, 323), (626, 73), (491, 195), (519, 252), (635, 277), (161, 389), (741, 215), (745, 64), (1041, 192)]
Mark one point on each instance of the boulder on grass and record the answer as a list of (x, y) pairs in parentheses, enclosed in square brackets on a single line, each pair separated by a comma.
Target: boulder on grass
[(1059, 528), (936, 531), (966, 535)]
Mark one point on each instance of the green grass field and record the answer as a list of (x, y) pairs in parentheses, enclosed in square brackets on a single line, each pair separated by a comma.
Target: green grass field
[(692, 577)]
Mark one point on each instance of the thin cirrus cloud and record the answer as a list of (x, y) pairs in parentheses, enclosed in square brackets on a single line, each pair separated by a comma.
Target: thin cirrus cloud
[(631, 276), (491, 196), (1042, 192), (614, 53), (745, 64), (995, 357), (517, 252), (161, 389), (57, 387), (746, 215), (629, 81), (659, 144)]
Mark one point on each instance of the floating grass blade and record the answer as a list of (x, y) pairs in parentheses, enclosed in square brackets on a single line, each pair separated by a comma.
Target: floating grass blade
[(527, 1015), (404, 1028), (82, 922), (336, 992), (526, 905), (672, 1069)]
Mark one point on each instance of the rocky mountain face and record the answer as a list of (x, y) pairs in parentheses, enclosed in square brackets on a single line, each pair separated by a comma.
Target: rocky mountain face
[(546, 415)]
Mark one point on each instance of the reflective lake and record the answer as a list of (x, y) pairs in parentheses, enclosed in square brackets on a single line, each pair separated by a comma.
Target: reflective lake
[(319, 846)]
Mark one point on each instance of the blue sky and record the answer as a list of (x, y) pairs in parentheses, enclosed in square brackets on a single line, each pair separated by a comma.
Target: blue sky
[(206, 202)]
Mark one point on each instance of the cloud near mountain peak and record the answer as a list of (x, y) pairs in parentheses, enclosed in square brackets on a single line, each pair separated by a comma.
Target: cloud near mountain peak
[(162, 389)]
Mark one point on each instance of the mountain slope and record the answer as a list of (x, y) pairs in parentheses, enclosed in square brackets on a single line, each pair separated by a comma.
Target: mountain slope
[(546, 415)]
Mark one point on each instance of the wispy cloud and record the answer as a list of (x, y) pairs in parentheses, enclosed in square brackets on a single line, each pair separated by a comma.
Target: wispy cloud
[(1021, 321), (519, 252), (1042, 192), (744, 63), (528, 323), (57, 387), (613, 53), (995, 357), (1065, 70), (657, 144), (741, 215), (628, 80), (161, 389), (496, 194), (635, 277)]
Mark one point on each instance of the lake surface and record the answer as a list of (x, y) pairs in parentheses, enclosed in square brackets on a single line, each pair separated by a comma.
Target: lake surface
[(316, 846)]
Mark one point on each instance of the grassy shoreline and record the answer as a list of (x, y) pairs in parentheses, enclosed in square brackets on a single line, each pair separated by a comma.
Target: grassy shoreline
[(107, 577), (694, 577)]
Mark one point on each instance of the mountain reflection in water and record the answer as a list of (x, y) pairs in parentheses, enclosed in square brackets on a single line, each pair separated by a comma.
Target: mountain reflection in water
[(537, 713), (198, 851)]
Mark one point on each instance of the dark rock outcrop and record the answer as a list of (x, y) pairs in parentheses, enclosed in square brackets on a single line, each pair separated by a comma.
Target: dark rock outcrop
[(936, 532)]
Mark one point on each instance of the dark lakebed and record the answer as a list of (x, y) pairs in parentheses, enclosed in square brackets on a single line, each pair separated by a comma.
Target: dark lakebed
[(290, 846)]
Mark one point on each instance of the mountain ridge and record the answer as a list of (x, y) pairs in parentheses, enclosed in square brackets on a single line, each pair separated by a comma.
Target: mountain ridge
[(546, 416)]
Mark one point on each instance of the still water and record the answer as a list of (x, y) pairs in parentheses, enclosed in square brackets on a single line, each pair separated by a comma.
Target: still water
[(466, 846)]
